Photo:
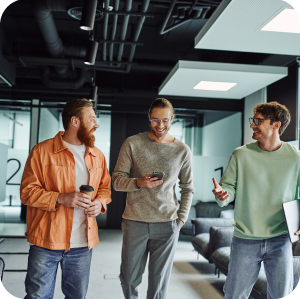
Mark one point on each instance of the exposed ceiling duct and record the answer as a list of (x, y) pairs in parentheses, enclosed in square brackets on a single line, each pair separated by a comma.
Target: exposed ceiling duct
[(66, 83), (42, 11)]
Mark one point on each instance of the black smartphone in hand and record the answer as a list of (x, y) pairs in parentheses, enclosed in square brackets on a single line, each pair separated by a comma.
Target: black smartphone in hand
[(158, 175)]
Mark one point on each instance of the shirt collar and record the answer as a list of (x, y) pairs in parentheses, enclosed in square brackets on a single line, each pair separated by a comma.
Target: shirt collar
[(59, 145)]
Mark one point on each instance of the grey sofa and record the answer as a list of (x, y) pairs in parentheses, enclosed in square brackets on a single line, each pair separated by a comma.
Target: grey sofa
[(202, 241), (221, 238), (203, 210)]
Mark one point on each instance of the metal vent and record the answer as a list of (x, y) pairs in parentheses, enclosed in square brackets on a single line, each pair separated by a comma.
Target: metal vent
[(76, 13)]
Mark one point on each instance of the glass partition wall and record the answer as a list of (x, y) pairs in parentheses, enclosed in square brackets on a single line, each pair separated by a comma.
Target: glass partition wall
[(14, 150), (212, 136)]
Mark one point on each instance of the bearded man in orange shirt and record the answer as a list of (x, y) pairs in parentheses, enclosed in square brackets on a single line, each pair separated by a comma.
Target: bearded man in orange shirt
[(61, 224)]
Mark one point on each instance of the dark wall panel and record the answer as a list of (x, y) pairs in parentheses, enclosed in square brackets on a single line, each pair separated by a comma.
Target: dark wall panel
[(123, 125), (285, 91)]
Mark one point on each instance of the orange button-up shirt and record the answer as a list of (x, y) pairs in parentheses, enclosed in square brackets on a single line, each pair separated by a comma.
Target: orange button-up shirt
[(50, 170)]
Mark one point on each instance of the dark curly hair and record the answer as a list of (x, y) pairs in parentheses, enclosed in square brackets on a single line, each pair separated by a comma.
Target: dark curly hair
[(277, 111)]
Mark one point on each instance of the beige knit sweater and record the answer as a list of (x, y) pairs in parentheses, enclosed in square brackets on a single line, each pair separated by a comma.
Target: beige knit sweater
[(138, 156)]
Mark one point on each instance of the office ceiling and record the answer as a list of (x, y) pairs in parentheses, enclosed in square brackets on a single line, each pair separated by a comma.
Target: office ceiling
[(236, 26), (248, 79), (131, 71)]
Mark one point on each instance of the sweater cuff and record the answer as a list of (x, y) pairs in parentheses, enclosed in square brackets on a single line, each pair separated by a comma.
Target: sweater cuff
[(138, 188)]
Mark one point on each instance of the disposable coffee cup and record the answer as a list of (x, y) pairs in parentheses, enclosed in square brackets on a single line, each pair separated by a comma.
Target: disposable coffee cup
[(87, 190)]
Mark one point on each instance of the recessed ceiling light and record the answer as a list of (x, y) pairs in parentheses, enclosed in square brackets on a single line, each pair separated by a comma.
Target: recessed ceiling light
[(286, 21), (210, 85)]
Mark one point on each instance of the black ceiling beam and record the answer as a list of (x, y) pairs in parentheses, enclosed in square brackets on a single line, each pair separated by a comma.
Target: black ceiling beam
[(48, 61), (128, 98)]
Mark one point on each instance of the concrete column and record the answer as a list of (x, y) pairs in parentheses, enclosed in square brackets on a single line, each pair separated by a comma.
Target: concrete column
[(251, 101), (34, 128)]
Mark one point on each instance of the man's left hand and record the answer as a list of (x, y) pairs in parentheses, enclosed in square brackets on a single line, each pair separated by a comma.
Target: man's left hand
[(297, 233), (94, 209), (181, 223)]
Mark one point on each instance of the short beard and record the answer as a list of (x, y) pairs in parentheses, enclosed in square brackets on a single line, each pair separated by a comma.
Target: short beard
[(154, 132), (85, 136)]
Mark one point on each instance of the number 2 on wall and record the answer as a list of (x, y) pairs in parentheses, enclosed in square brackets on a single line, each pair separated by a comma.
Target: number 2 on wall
[(19, 166)]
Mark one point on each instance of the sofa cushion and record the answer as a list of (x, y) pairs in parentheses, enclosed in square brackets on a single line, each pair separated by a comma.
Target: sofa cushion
[(296, 249), (210, 209), (220, 258), (202, 225), (227, 214), (219, 237), (200, 243)]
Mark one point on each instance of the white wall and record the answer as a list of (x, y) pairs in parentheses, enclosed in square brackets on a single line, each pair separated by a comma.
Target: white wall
[(102, 135), (251, 101), (48, 125), (223, 136), (22, 133)]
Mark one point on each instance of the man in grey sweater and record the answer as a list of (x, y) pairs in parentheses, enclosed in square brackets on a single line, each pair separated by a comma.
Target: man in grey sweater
[(151, 220)]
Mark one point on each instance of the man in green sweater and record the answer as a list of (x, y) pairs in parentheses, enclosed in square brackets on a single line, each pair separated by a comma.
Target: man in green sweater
[(260, 177)]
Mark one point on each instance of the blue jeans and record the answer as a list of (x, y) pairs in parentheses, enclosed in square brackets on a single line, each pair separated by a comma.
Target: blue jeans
[(42, 269), (245, 262)]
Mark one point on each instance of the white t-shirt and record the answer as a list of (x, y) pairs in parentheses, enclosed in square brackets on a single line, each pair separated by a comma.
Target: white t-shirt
[(78, 235)]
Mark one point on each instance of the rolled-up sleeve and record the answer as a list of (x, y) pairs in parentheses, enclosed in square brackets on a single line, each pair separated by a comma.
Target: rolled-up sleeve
[(104, 191)]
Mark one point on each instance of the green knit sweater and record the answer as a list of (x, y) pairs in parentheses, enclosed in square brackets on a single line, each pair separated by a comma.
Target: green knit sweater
[(260, 182)]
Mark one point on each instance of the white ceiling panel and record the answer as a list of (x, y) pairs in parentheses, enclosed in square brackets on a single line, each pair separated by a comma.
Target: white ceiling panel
[(236, 26), (249, 78)]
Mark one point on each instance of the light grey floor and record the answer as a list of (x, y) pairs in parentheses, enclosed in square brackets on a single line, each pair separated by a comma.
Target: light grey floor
[(190, 279)]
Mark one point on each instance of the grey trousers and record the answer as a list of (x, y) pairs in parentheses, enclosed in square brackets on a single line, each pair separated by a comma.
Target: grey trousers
[(140, 238)]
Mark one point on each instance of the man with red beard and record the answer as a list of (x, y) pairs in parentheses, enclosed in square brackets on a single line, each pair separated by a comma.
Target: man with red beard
[(61, 225), (152, 218)]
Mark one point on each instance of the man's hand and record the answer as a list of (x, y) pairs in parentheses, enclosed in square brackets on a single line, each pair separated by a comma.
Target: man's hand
[(181, 223), (77, 200), (297, 233), (94, 209), (148, 182), (218, 191)]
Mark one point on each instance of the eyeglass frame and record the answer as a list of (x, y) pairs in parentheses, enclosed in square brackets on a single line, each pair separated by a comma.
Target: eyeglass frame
[(260, 120), (157, 120)]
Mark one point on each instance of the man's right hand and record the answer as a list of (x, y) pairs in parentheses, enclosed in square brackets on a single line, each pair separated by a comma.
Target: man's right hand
[(218, 191), (148, 182), (77, 200)]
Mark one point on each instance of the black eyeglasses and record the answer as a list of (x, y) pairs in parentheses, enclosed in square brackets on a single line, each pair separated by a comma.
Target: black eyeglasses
[(258, 121)]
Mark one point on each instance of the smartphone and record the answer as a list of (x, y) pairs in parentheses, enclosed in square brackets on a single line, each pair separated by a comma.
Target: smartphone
[(158, 175)]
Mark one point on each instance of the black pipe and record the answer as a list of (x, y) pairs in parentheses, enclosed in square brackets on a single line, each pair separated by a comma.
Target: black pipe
[(128, 7), (42, 11), (63, 84), (74, 50), (105, 25), (114, 29), (137, 32)]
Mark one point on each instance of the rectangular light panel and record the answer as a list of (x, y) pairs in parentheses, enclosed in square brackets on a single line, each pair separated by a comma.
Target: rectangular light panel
[(286, 21), (218, 86)]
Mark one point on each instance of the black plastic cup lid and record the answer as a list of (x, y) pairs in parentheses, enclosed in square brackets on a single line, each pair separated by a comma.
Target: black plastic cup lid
[(86, 188)]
